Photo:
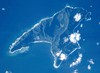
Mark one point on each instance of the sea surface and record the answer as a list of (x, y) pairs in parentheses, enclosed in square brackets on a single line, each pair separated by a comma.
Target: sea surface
[(18, 16)]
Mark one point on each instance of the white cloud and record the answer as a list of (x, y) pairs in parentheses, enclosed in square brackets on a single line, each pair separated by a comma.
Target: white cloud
[(89, 67), (58, 53), (75, 71), (81, 25), (99, 23), (8, 72), (65, 39), (75, 37), (78, 60), (83, 39), (97, 43), (77, 17), (63, 57), (91, 61), (21, 50), (3, 9)]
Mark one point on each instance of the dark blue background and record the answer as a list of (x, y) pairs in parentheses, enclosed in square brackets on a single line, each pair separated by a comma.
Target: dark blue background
[(20, 15)]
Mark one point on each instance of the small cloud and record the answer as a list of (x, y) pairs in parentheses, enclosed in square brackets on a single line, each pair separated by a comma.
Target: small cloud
[(89, 67), (65, 39), (83, 39), (91, 6), (99, 23), (81, 25), (75, 71), (75, 37), (97, 43), (78, 60), (77, 17), (91, 61), (8, 72), (3, 9), (63, 57)]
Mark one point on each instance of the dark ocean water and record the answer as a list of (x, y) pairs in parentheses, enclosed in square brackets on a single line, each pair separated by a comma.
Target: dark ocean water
[(20, 15)]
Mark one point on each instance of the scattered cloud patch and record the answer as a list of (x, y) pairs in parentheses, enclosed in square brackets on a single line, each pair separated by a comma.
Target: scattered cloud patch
[(77, 17), (78, 60), (75, 71), (81, 25), (97, 43), (99, 23), (91, 61), (58, 53), (89, 67), (83, 39), (91, 6), (65, 39), (8, 72), (75, 37), (3, 9), (63, 57)]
